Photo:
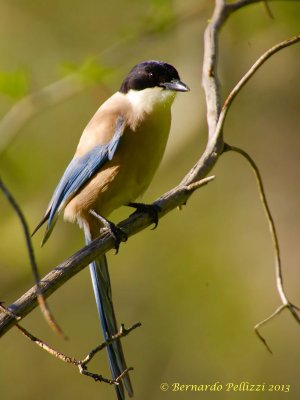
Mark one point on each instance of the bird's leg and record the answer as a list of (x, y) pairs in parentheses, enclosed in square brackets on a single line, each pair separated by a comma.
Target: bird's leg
[(117, 233), (151, 209)]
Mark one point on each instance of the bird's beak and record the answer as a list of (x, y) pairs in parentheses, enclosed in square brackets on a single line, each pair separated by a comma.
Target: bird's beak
[(175, 85)]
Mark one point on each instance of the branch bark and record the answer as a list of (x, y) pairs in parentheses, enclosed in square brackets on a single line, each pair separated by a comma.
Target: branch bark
[(67, 269), (82, 364)]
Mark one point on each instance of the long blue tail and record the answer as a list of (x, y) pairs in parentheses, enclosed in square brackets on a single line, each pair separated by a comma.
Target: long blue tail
[(102, 290)]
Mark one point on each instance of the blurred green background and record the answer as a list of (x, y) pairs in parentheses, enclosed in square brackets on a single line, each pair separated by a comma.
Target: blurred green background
[(205, 277)]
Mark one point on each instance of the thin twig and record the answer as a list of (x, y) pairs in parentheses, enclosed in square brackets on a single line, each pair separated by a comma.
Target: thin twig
[(262, 59), (261, 323), (272, 228), (122, 333), (243, 3), (268, 9), (8, 312), (43, 305), (46, 347), (82, 364)]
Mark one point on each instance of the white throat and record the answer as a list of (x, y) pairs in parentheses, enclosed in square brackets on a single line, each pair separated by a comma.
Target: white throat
[(144, 101)]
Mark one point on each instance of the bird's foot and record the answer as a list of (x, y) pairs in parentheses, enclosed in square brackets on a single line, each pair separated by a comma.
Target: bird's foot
[(117, 233), (151, 209)]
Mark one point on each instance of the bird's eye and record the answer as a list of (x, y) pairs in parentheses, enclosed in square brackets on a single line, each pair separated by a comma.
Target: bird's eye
[(151, 75)]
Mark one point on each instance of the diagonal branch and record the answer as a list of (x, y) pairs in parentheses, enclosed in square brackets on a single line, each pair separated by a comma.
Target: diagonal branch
[(269, 53), (67, 269)]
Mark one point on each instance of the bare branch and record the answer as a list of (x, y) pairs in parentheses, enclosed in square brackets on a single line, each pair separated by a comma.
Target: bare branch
[(268, 9), (243, 3), (210, 81), (63, 272), (278, 264), (211, 88), (291, 307), (257, 326), (122, 333), (272, 228), (43, 305), (82, 364), (269, 53)]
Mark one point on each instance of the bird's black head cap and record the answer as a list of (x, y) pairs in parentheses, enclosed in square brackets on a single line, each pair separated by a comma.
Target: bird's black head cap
[(150, 74)]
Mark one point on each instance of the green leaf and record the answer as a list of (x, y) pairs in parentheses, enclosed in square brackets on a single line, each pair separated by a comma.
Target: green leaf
[(14, 84), (159, 17), (90, 69)]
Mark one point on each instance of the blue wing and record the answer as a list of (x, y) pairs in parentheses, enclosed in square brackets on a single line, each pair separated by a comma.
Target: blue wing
[(78, 172)]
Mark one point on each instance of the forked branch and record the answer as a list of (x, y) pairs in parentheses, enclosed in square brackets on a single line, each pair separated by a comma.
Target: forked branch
[(82, 364)]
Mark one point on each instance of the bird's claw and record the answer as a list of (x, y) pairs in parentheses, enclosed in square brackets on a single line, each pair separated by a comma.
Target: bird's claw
[(118, 235), (151, 209)]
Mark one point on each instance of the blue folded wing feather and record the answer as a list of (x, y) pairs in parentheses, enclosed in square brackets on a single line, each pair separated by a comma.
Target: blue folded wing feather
[(78, 172)]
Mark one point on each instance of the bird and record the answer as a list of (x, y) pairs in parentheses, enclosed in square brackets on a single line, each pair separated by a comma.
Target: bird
[(116, 158)]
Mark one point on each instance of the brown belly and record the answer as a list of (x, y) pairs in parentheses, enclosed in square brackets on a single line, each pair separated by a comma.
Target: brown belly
[(129, 174)]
